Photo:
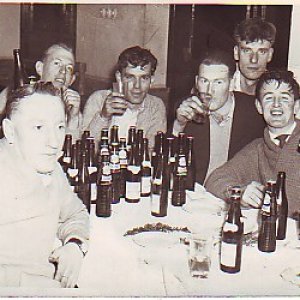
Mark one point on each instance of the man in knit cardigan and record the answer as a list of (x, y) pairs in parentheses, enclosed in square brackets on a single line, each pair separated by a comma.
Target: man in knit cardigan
[(277, 99)]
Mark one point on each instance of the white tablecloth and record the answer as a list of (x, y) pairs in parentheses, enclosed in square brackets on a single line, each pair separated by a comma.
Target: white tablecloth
[(117, 266)]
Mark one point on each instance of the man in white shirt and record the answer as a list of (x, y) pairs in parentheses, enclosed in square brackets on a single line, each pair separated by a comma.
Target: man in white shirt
[(232, 121), (253, 50), (57, 66), (277, 94), (130, 104)]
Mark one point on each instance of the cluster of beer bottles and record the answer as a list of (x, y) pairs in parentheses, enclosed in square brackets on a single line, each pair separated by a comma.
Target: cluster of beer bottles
[(272, 224), (124, 168)]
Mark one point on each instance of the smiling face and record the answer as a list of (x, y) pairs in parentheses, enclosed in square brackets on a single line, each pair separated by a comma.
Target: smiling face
[(136, 82), (253, 57), (214, 81), (38, 126), (58, 68), (277, 105)]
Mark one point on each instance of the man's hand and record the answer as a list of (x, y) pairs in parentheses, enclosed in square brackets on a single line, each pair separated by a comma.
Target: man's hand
[(114, 104), (187, 110), (72, 100), (69, 260), (253, 194)]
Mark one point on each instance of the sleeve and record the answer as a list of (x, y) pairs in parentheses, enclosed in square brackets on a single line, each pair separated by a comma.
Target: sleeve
[(92, 120), (74, 218), (158, 121), (3, 100), (241, 170), (74, 127)]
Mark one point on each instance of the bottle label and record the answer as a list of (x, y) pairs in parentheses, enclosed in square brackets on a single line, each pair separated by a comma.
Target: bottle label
[(230, 227), (92, 170), (134, 169), (114, 159), (146, 185), (105, 178), (172, 159), (72, 172), (228, 254), (133, 190), (104, 151), (122, 154), (279, 198), (106, 170), (93, 191), (266, 208), (182, 162), (146, 164), (67, 160), (155, 203)]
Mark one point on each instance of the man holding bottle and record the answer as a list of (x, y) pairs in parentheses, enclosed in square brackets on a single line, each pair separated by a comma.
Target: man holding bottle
[(57, 66), (277, 99), (130, 104), (230, 120)]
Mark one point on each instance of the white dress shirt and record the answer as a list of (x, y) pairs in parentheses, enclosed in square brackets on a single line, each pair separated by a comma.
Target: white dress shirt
[(288, 131)]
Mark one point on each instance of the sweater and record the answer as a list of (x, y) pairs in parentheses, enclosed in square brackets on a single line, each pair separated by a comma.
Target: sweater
[(35, 209), (261, 161), (151, 119)]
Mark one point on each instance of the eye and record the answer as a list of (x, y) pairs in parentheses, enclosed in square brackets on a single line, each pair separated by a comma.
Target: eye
[(128, 77), (61, 127), (219, 81), (146, 77), (56, 63), (262, 51), (246, 50), (38, 127), (203, 80)]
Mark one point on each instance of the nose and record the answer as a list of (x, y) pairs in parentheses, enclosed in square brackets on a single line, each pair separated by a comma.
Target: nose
[(137, 83), (62, 69), (209, 88), (53, 140), (277, 102), (254, 58)]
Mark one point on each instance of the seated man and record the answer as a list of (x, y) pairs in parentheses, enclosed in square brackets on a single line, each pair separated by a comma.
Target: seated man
[(277, 100), (37, 203), (57, 66), (254, 39), (131, 107), (233, 121)]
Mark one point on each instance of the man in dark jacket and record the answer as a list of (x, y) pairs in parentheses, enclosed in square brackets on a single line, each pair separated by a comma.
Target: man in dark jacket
[(230, 118)]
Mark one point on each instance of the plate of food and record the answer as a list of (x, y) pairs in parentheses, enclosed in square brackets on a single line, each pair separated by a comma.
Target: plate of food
[(157, 235)]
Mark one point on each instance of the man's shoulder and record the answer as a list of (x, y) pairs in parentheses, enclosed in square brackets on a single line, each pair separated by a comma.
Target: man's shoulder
[(153, 98), (97, 96)]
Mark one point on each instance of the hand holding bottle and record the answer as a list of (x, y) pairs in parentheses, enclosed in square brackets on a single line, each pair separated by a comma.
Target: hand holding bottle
[(253, 194)]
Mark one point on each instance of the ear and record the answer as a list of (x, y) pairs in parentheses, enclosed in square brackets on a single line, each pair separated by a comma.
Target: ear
[(231, 85), (73, 79), (236, 52), (39, 67), (152, 79), (258, 106), (8, 130), (296, 106), (196, 80)]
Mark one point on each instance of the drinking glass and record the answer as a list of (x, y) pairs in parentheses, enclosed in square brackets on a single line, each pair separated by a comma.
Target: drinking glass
[(199, 255), (205, 105)]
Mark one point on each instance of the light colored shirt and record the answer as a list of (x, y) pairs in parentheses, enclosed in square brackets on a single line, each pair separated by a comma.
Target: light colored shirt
[(151, 117), (237, 81), (288, 131), (220, 137)]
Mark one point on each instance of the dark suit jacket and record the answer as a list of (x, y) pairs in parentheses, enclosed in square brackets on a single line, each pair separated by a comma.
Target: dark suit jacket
[(247, 125)]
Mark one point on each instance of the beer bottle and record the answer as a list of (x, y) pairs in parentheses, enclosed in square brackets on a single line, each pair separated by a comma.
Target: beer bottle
[(179, 192), (146, 170), (140, 144), (282, 206), (123, 167), (115, 171), (114, 135), (159, 191), (104, 188), (232, 237), (67, 149), (191, 173), (171, 162), (133, 177), (72, 172), (85, 135), (20, 76), (84, 185), (104, 133), (92, 167), (131, 139), (158, 149), (267, 230), (104, 146)]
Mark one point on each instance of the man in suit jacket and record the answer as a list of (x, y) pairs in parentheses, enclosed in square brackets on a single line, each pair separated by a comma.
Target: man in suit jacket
[(230, 118)]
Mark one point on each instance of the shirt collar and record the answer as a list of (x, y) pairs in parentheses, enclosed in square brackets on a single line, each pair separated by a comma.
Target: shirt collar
[(288, 131), (221, 119)]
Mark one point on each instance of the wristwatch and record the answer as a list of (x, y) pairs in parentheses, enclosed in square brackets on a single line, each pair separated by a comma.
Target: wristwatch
[(82, 246)]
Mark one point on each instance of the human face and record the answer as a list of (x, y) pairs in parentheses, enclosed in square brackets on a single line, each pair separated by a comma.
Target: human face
[(214, 81), (136, 82), (58, 68), (253, 58), (277, 105), (39, 130)]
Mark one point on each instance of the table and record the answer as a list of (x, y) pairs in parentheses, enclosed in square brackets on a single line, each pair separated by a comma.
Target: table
[(117, 266)]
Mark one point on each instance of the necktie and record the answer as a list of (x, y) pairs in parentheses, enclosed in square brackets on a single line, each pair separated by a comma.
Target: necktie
[(282, 139)]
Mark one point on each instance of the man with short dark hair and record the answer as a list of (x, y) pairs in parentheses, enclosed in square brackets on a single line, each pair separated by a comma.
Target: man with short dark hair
[(232, 120), (131, 105), (57, 66), (253, 50), (277, 99)]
